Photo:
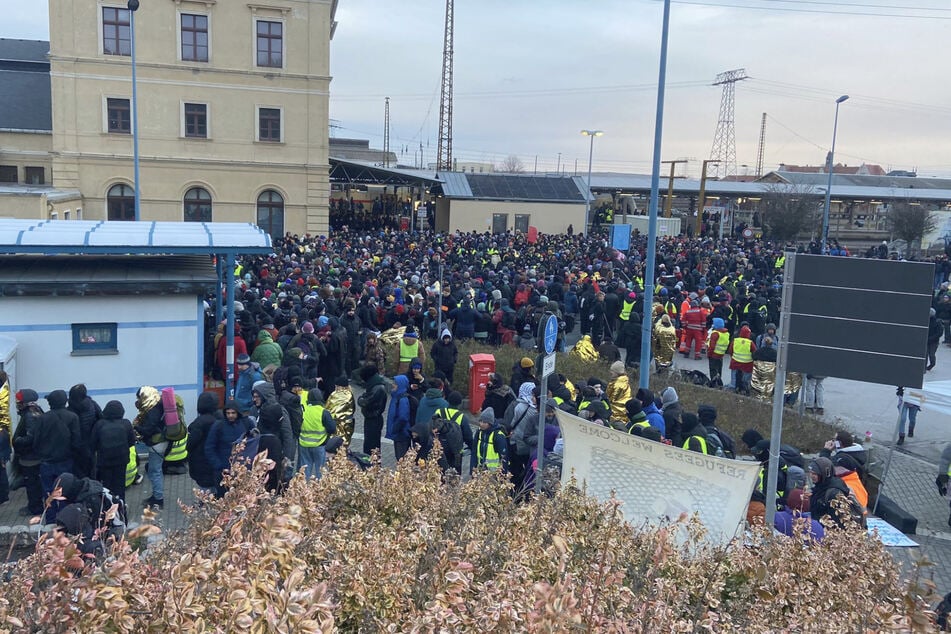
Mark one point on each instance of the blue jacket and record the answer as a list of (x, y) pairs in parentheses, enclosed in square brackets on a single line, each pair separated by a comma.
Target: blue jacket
[(655, 418), (242, 388), (221, 439), (397, 417)]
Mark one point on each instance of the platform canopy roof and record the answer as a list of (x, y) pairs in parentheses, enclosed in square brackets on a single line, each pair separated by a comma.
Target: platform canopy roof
[(104, 237)]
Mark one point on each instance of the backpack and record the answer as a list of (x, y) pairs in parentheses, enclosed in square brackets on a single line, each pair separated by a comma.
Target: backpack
[(726, 442), (174, 409), (304, 344), (792, 456), (279, 379), (252, 445), (450, 434)]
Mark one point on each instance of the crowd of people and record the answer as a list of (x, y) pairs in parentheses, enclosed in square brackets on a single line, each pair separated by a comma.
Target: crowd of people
[(321, 313)]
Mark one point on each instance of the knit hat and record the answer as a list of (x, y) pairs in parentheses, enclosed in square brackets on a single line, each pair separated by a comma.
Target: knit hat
[(617, 368), (487, 416), (750, 437), (718, 323), (634, 407), (527, 363), (243, 359), (307, 328), (415, 363), (668, 397), (341, 381)]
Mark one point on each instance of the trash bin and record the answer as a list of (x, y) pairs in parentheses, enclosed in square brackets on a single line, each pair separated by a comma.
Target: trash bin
[(480, 367)]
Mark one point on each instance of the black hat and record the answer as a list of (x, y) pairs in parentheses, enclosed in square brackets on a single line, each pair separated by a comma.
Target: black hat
[(243, 359), (341, 381)]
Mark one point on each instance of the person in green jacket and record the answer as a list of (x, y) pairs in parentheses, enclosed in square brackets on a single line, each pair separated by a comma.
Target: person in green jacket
[(266, 352)]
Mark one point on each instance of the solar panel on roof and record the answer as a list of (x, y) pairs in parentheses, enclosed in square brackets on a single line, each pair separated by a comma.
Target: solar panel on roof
[(523, 187)]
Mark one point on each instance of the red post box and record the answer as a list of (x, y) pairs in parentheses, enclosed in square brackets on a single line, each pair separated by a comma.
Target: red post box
[(480, 367)]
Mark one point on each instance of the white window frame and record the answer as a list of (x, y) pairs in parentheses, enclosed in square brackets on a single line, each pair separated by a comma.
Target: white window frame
[(207, 136), (66, 214), (255, 18), (110, 5), (54, 215), (178, 37), (257, 124), (79, 213), (105, 115)]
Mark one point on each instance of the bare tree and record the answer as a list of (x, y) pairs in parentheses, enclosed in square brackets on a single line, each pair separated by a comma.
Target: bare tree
[(789, 210), (511, 165), (910, 223)]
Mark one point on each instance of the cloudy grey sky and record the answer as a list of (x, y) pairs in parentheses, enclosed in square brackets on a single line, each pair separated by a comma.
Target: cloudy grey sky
[(530, 74)]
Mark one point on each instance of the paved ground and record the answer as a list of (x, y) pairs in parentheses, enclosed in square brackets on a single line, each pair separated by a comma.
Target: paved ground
[(861, 406)]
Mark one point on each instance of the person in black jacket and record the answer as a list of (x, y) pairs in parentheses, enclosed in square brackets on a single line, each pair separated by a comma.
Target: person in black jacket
[(373, 404), (199, 468), (24, 455), (56, 441), (444, 354), (111, 438), (269, 424), (88, 412)]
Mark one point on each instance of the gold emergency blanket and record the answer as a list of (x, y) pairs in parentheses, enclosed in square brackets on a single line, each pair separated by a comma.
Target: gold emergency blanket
[(585, 350), (619, 393), (665, 344), (393, 335), (341, 406), (764, 378)]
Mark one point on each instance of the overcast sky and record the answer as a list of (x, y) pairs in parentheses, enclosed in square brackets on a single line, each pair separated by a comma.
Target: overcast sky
[(530, 74)]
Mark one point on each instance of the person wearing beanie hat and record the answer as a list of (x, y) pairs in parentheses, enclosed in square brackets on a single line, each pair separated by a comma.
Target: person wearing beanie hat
[(717, 345), (654, 416), (410, 348), (490, 444), (827, 487), (30, 412), (249, 373), (522, 372), (457, 416), (307, 328), (636, 420)]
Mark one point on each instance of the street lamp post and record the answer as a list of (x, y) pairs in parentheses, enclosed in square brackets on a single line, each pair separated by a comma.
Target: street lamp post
[(133, 7), (587, 198), (831, 167)]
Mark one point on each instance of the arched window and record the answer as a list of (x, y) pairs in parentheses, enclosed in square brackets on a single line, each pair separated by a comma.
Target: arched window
[(197, 205), (120, 202), (271, 213)]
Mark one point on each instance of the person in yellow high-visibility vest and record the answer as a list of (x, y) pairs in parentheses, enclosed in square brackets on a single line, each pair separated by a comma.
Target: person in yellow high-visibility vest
[(410, 349), (316, 428), (176, 460), (741, 351), (132, 475)]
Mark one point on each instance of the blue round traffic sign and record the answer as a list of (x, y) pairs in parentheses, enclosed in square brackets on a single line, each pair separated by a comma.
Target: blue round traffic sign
[(551, 334)]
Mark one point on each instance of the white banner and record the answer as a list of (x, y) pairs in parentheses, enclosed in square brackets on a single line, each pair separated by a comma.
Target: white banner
[(656, 482), (934, 397)]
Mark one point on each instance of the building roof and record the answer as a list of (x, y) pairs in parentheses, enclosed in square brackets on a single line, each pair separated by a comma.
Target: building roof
[(102, 237), (843, 186), (862, 180), (359, 150), (868, 169), (343, 170), (25, 93), (32, 275), (525, 187), (12, 50)]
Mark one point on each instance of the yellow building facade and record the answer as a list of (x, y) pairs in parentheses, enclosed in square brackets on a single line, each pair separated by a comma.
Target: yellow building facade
[(233, 107)]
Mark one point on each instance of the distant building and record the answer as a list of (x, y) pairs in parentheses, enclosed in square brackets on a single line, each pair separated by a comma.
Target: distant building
[(865, 169), (359, 150), (233, 113)]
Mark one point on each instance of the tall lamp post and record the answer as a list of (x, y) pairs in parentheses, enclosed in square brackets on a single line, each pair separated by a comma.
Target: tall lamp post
[(587, 198), (825, 211), (133, 7)]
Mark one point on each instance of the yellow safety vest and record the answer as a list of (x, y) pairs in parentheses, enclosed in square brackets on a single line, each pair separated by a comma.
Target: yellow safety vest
[(626, 310), (178, 450), (312, 431), (780, 262), (703, 444), (407, 352), (723, 342), (131, 467), (643, 425), (490, 458), (451, 414), (741, 350)]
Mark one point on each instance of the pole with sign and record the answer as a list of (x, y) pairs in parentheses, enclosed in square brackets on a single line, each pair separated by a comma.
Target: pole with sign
[(549, 328)]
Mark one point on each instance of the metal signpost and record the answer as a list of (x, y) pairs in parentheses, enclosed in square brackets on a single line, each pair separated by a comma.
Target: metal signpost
[(549, 337), (851, 318)]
